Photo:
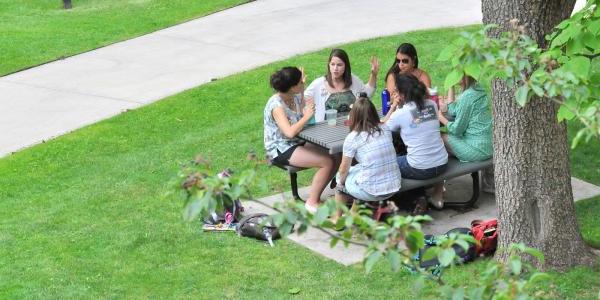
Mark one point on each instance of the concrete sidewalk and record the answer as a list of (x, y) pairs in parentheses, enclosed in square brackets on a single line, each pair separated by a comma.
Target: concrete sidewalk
[(459, 189), (47, 101)]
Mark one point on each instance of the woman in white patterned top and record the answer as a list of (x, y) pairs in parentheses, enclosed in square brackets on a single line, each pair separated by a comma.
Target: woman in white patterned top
[(284, 117), (339, 88), (376, 176)]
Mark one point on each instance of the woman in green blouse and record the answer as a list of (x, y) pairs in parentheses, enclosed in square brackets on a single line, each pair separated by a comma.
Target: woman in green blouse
[(469, 135)]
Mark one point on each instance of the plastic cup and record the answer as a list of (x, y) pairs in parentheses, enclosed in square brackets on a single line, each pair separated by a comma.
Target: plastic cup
[(331, 116)]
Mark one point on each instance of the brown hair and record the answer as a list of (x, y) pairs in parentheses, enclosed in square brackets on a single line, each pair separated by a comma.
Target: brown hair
[(467, 81), (363, 116), (341, 54)]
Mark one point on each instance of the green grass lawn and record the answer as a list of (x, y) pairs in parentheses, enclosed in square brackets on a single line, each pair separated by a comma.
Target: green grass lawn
[(33, 32), (84, 215)]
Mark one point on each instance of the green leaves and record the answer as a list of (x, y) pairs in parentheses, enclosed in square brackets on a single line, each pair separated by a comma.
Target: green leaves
[(372, 258), (564, 113), (446, 256), (473, 69), (415, 240), (521, 95), (562, 73), (394, 260), (452, 79), (515, 265), (447, 53), (579, 65), (322, 214), (207, 191)]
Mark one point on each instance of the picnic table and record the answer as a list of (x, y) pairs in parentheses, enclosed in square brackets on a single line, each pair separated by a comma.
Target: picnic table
[(332, 138), (327, 136)]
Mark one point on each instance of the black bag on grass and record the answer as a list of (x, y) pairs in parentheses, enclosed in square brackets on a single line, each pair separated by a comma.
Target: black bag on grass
[(252, 226), (433, 265), (463, 255)]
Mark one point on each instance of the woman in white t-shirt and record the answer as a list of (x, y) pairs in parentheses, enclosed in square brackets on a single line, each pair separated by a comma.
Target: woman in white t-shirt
[(420, 131), (339, 88), (376, 176)]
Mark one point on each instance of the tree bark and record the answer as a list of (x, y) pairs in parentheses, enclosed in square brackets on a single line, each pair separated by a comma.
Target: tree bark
[(532, 175)]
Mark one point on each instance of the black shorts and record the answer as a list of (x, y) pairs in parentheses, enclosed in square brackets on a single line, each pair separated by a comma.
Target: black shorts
[(284, 158)]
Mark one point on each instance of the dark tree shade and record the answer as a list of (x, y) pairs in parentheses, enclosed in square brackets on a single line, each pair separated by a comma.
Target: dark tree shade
[(67, 4)]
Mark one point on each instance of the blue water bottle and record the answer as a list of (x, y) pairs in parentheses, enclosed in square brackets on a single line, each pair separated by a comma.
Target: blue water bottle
[(385, 102)]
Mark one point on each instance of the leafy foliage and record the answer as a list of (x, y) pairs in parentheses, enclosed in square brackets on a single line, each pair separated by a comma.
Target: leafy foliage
[(206, 191), (514, 280), (397, 241), (561, 72)]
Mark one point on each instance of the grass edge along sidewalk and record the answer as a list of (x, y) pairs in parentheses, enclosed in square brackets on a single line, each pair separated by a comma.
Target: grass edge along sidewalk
[(82, 215), (39, 32)]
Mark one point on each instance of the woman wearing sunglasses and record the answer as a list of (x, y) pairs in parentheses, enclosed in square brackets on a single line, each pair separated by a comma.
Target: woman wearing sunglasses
[(406, 62), (339, 88)]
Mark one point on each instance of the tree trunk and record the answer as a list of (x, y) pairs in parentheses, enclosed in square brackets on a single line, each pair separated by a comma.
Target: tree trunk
[(67, 4), (533, 181)]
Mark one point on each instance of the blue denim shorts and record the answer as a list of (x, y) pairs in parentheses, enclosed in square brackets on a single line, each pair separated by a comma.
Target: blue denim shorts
[(409, 172), (353, 189)]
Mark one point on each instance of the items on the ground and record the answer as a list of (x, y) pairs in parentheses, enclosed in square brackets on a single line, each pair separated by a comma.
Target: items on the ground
[(221, 227), (486, 233), (258, 226)]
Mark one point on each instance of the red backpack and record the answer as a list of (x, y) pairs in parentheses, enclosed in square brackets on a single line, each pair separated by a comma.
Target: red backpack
[(486, 233)]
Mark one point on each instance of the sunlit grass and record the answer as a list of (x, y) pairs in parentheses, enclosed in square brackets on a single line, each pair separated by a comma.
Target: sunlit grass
[(84, 215), (33, 32)]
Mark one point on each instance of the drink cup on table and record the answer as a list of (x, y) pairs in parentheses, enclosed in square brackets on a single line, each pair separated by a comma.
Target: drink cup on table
[(331, 116)]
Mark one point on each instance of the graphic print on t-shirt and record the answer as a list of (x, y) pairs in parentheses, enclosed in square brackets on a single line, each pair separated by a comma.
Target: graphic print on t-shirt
[(426, 114), (340, 101)]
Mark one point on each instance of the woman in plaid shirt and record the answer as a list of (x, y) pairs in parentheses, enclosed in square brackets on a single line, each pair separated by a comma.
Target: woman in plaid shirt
[(376, 176)]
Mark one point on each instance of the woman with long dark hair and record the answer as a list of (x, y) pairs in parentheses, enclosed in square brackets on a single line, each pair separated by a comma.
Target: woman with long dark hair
[(420, 131), (284, 116), (339, 88), (376, 175), (405, 62)]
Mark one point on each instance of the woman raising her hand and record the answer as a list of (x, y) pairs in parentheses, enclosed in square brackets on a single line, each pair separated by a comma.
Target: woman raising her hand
[(339, 88)]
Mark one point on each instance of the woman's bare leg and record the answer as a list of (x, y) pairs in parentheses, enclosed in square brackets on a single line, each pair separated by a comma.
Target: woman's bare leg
[(307, 157), (337, 158), (437, 197)]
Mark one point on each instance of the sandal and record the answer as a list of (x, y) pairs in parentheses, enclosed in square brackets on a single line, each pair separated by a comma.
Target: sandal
[(421, 207)]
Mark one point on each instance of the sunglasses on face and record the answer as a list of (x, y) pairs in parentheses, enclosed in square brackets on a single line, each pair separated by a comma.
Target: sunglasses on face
[(404, 60)]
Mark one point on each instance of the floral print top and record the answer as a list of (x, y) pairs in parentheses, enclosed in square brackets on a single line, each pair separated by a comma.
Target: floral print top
[(275, 141)]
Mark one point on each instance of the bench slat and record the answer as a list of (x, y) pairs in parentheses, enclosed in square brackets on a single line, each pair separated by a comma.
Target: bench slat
[(455, 168)]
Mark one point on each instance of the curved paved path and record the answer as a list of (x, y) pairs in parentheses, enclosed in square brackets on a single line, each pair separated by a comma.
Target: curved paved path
[(53, 99)]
